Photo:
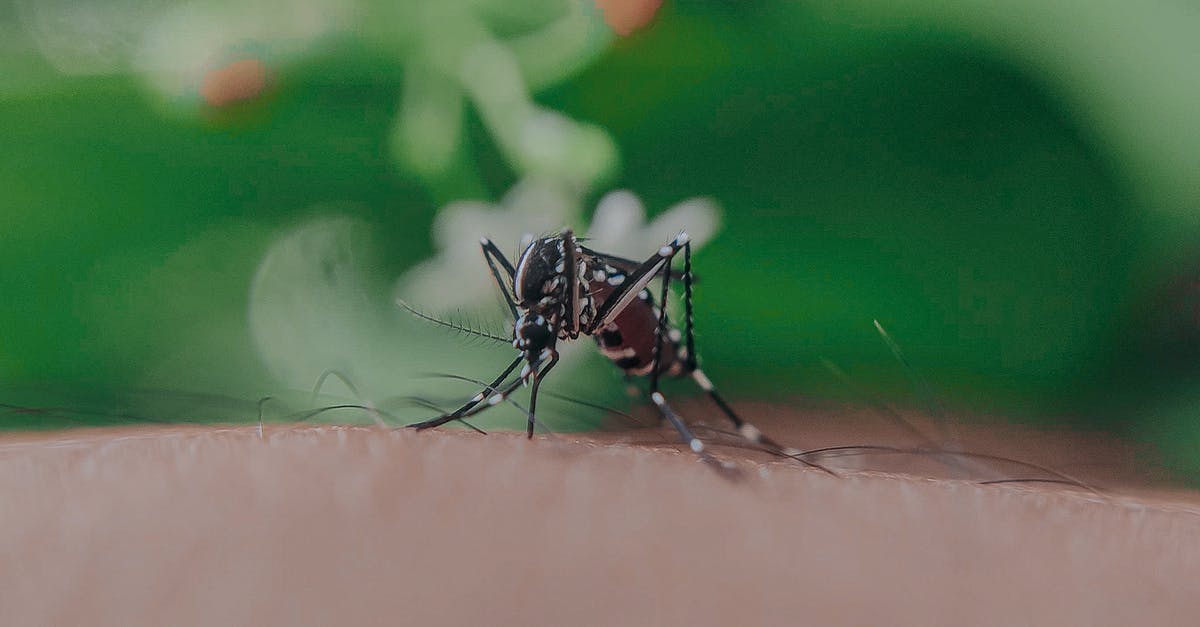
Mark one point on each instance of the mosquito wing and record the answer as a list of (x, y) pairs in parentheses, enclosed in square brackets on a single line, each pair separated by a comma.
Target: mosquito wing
[(627, 266)]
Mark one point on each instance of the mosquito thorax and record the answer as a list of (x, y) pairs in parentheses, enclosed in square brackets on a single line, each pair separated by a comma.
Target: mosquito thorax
[(539, 271), (541, 285)]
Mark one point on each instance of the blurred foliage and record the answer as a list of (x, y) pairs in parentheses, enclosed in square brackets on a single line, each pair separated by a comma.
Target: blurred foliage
[(1009, 188)]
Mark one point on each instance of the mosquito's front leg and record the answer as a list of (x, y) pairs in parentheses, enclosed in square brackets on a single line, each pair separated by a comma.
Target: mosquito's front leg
[(493, 256), (465, 410), (748, 431)]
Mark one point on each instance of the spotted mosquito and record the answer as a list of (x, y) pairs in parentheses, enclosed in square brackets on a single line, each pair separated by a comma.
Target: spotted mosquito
[(559, 290)]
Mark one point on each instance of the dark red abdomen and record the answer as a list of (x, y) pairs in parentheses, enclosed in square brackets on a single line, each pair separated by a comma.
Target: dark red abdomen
[(629, 340)]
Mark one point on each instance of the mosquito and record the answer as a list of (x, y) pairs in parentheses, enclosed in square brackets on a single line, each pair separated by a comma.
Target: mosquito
[(559, 290)]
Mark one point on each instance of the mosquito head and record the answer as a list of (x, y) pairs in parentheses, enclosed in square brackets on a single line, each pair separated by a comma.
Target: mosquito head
[(534, 336)]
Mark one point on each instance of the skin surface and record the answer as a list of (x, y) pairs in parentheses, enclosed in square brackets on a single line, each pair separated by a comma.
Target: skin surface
[(319, 525)]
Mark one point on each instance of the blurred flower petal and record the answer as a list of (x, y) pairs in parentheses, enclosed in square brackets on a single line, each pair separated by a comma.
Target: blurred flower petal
[(311, 306), (618, 225), (318, 302), (458, 277), (86, 37), (618, 214)]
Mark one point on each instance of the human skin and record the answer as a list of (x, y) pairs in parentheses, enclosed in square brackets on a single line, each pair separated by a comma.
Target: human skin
[(319, 525)]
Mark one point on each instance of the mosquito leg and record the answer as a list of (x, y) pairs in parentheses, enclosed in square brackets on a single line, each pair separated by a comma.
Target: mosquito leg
[(562, 397), (689, 338), (748, 431), (634, 283), (465, 410), (691, 440), (493, 256), (745, 429), (503, 394), (727, 469), (428, 404), (533, 392), (498, 395), (618, 300), (660, 330)]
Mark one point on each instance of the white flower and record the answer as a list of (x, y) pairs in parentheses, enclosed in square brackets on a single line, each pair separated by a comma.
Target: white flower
[(458, 278), (619, 228)]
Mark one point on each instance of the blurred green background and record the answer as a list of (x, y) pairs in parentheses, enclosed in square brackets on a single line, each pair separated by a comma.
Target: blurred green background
[(1009, 188)]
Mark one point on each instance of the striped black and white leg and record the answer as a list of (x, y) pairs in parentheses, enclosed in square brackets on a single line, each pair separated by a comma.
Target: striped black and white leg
[(466, 409), (694, 443), (533, 392), (493, 394), (493, 256), (748, 431)]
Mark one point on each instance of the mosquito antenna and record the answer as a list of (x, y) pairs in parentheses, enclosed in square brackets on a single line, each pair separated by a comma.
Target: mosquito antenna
[(480, 330), (460, 328)]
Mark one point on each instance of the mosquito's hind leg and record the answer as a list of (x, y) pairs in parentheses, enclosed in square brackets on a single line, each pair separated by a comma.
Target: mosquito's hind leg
[(691, 440), (692, 362), (745, 429), (727, 469), (660, 401), (748, 431), (494, 256)]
